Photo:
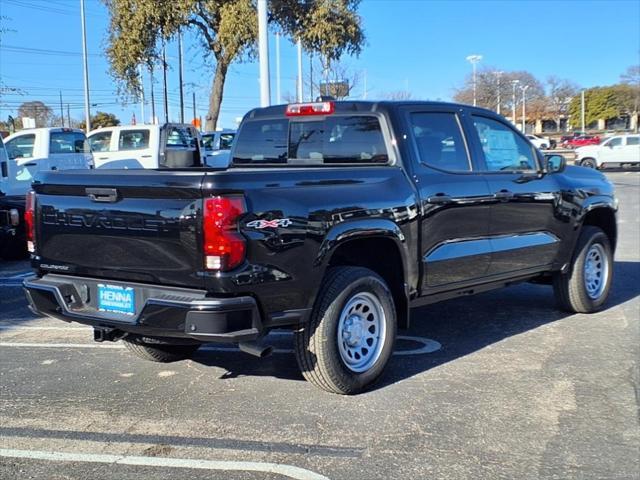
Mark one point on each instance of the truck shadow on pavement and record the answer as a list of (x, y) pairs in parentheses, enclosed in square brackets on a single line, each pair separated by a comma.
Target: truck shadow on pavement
[(462, 326)]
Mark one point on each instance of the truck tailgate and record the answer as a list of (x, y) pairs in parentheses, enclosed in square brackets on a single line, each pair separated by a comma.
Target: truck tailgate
[(137, 225)]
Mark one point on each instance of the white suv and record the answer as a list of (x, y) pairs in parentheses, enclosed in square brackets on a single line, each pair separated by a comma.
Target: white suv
[(617, 151)]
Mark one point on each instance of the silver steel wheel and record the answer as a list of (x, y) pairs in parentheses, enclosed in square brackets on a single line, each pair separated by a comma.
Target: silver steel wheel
[(361, 332), (596, 271)]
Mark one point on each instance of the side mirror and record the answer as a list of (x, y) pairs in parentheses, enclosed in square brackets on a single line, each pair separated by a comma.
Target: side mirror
[(554, 163)]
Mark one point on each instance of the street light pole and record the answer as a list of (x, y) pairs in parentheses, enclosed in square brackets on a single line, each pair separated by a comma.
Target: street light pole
[(87, 112), (278, 95), (524, 106), (474, 59), (498, 75), (514, 83), (263, 54), (300, 92), (582, 111), (180, 75)]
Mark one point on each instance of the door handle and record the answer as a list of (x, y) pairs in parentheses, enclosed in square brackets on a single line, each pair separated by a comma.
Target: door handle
[(146, 156), (103, 158), (440, 199), (504, 195), (106, 195)]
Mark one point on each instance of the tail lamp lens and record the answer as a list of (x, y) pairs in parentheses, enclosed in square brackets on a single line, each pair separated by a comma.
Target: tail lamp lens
[(29, 218), (224, 246)]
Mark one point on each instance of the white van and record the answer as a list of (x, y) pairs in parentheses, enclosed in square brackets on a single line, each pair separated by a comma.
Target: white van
[(171, 145), (36, 149)]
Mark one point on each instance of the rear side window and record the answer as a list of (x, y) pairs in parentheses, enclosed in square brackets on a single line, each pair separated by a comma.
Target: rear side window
[(180, 137), (330, 140), (68, 142), (504, 149), (226, 139), (21, 147), (633, 140), (615, 142), (133, 140), (100, 142), (439, 140), (262, 141)]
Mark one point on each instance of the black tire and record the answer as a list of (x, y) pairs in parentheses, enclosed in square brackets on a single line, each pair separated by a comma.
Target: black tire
[(569, 288), (589, 163), (159, 352), (316, 343)]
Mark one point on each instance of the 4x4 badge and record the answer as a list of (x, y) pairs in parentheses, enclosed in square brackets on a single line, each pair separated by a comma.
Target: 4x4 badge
[(278, 222)]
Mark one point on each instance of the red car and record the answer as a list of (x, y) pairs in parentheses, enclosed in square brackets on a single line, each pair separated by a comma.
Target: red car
[(581, 141)]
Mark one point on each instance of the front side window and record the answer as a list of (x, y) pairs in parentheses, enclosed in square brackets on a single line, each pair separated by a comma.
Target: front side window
[(133, 140), (207, 142), (614, 142), (504, 149), (21, 147), (633, 140), (439, 140), (100, 142), (68, 142)]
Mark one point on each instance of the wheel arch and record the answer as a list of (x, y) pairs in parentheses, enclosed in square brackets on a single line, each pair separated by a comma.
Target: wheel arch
[(378, 245), (602, 216)]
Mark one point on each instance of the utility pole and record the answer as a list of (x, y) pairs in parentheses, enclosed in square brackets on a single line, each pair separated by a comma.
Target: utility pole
[(61, 110), (141, 95), (153, 100), (278, 96), (299, 84), (582, 110), (87, 112), (498, 75), (524, 111), (180, 74), (68, 116), (193, 97), (514, 83), (263, 53), (164, 81), (474, 59)]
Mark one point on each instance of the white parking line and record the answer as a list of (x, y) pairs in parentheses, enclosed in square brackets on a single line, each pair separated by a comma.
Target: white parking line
[(264, 467), (428, 346)]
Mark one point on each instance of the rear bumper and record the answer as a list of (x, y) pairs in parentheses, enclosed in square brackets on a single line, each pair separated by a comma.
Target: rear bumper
[(162, 312)]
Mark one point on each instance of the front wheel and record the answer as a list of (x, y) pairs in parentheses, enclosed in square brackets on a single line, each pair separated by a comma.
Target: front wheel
[(585, 287), (589, 163), (349, 338), (158, 352)]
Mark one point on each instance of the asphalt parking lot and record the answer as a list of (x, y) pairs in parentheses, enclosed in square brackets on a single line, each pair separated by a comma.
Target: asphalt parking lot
[(501, 385)]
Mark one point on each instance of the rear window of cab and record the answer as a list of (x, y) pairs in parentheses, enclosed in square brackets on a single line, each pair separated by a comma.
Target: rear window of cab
[(335, 139)]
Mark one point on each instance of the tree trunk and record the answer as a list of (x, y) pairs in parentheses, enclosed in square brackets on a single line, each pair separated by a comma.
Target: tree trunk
[(215, 97)]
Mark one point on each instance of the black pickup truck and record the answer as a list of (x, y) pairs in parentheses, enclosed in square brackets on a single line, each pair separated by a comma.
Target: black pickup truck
[(333, 220)]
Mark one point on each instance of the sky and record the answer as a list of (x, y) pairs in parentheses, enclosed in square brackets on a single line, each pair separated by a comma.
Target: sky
[(418, 45)]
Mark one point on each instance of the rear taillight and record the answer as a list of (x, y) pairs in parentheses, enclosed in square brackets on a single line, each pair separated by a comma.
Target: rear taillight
[(224, 246), (29, 218)]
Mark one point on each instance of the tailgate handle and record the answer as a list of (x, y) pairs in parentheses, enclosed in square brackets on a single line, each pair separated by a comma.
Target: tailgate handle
[(107, 195)]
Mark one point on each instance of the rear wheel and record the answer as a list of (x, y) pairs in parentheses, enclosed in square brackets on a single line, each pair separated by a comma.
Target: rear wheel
[(158, 352), (349, 338), (589, 163), (585, 287)]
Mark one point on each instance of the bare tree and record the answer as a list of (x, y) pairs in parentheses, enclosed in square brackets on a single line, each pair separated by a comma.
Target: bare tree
[(487, 90), (340, 77), (559, 94)]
